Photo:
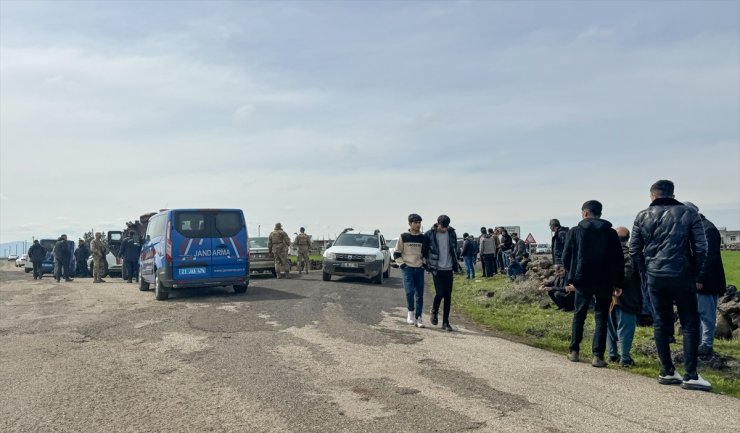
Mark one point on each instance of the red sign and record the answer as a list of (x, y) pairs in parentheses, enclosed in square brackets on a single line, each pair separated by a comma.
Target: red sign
[(530, 239)]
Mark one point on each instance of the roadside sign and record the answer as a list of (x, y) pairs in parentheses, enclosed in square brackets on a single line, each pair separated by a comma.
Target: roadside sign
[(530, 239)]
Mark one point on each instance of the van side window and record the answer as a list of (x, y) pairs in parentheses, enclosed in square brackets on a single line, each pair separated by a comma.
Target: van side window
[(191, 224), (156, 227), (228, 223)]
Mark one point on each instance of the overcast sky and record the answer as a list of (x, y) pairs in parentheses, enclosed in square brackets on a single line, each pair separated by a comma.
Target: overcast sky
[(336, 114)]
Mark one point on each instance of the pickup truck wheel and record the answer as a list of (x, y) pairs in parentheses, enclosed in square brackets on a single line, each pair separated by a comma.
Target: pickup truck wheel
[(387, 273), (28, 270), (160, 292), (326, 276)]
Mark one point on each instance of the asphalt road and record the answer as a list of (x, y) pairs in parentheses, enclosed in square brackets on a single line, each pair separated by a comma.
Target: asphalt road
[(298, 355)]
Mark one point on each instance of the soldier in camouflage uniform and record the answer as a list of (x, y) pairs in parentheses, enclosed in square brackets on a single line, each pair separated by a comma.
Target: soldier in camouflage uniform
[(98, 251), (278, 243), (303, 243)]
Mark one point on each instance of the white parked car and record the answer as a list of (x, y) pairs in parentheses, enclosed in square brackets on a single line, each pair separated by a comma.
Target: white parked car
[(543, 249), (392, 249), (21, 261), (12, 257), (359, 254)]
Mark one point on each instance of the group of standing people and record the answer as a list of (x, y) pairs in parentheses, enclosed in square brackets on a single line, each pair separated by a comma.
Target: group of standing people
[(498, 251), (673, 253), (278, 244)]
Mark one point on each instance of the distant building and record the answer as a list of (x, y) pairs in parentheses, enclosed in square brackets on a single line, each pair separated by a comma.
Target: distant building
[(730, 238)]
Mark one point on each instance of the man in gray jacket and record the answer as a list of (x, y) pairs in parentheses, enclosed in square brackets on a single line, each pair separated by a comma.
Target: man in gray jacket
[(668, 245)]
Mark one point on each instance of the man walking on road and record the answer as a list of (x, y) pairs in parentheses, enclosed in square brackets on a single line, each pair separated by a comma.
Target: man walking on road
[(669, 245), (37, 254), (98, 251), (302, 244), (278, 243), (439, 252), (408, 255), (593, 260)]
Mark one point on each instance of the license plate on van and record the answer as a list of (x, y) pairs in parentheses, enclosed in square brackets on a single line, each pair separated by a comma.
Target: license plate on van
[(193, 271)]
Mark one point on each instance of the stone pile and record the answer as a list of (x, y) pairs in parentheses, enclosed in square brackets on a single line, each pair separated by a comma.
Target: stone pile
[(539, 270), (728, 315)]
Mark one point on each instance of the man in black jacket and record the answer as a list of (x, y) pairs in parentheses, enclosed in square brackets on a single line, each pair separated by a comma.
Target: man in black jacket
[(62, 258), (558, 241), (624, 309), (669, 247), (37, 255), (439, 252), (81, 255), (129, 253), (593, 260), (713, 284)]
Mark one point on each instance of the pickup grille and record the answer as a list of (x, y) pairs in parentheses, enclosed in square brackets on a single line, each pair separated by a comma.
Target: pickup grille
[(350, 258)]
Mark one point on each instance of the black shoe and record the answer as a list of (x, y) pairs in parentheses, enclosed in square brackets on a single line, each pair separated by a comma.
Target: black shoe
[(434, 319), (447, 327), (613, 359), (68, 279), (705, 350)]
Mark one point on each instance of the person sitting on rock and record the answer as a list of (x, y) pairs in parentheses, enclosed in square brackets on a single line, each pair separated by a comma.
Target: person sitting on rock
[(557, 291), (525, 262), (515, 268)]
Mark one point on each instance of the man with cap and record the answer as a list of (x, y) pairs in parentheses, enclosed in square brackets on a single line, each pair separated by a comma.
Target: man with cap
[(712, 282), (440, 254), (558, 241), (669, 246), (594, 263), (277, 244), (302, 244), (408, 256)]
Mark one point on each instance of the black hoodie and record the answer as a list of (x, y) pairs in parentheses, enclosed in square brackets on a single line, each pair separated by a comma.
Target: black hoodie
[(593, 255)]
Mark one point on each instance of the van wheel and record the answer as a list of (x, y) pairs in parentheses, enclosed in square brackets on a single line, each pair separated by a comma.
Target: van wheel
[(379, 278), (143, 285), (160, 292), (240, 288), (326, 276)]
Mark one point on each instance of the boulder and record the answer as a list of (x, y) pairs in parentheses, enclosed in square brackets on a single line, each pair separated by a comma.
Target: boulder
[(723, 328), (736, 334), (726, 308)]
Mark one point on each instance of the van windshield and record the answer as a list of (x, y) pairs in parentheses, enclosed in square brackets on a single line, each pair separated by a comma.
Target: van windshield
[(48, 244)]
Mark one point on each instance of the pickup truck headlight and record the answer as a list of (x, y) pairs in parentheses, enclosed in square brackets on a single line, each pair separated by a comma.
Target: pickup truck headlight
[(370, 258), (331, 256)]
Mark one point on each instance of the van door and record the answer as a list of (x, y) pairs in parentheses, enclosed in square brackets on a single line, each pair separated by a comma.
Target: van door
[(230, 256), (191, 245)]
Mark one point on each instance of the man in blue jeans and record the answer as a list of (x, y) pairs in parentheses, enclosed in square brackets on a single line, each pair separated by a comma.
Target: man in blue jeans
[(624, 308), (593, 260), (408, 256), (469, 252), (713, 285), (669, 247)]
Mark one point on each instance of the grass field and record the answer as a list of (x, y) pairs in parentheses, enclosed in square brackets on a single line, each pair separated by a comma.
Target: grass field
[(550, 329)]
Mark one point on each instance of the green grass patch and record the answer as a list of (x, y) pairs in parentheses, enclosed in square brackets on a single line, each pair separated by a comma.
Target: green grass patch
[(513, 311), (731, 262)]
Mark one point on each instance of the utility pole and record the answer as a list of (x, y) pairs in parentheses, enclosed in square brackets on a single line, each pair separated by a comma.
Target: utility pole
[(259, 227)]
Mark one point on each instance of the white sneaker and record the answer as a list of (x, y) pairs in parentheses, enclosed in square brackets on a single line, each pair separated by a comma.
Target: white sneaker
[(673, 379), (419, 323), (699, 384), (410, 318)]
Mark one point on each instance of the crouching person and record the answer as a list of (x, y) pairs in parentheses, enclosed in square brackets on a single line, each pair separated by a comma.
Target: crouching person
[(562, 296)]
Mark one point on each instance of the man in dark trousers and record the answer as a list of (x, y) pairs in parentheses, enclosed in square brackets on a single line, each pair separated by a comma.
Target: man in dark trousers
[(669, 247), (439, 254), (62, 258), (129, 253), (593, 260), (713, 284), (37, 254), (558, 241), (624, 309), (81, 255)]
